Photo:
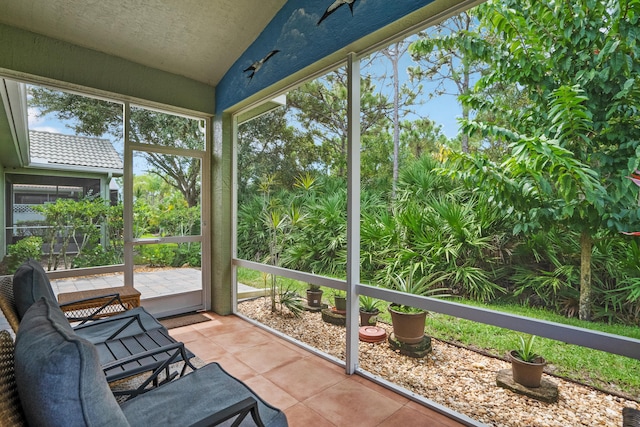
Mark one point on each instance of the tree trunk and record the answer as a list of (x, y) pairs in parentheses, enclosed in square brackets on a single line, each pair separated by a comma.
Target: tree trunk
[(396, 120), (586, 244)]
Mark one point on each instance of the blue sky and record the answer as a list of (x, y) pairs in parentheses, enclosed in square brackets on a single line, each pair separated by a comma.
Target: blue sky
[(443, 110)]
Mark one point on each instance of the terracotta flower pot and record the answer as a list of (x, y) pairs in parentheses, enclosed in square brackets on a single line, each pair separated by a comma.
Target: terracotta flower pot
[(408, 327), (528, 374)]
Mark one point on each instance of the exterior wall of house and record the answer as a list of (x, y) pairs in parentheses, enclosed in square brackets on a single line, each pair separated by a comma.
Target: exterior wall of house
[(33, 187)]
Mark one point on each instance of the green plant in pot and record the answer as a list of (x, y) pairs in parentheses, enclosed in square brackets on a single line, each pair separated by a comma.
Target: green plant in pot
[(314, 296), (368, 310), (408, 322), (340, 300), (526, 364)]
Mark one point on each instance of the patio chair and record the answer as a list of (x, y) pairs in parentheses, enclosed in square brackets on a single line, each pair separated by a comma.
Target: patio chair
[(60, 383), (135, 333), (30, 282)]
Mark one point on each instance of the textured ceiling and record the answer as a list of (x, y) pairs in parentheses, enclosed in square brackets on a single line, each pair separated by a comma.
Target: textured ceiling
[(199, 39)]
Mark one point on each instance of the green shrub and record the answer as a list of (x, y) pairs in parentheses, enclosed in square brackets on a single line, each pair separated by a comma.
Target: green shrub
[(158, 255), (29, 247), (97, 256), (188, 254)]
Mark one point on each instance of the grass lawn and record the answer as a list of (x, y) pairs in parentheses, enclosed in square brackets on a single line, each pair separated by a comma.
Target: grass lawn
[(599, 369)]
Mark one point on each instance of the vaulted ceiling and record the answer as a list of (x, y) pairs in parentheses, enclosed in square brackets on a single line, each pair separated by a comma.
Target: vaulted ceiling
[(198, 39)]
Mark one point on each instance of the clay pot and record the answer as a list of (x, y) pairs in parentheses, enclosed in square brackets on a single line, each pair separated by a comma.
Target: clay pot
[(366, 318), (341, 303), (408, 327), (314, 298), (528, 374)]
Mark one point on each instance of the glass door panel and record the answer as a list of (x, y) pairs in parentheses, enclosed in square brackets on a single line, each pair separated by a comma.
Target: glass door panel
[(165, 181)]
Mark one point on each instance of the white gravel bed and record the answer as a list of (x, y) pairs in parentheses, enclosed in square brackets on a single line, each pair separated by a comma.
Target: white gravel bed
[(461, 379)]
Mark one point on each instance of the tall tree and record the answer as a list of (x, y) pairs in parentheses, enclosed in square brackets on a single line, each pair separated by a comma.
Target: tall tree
[(321, 108), (422, 137), (268, 145), (578, 65), (394, 54), (93, 117), (443, 54)]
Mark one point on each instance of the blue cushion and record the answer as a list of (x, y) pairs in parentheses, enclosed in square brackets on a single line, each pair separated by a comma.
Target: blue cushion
[(30, 283), (59, 378), (195, 396)]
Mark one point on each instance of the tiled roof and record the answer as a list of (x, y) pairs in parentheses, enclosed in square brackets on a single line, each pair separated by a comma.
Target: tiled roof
[(46, 147)]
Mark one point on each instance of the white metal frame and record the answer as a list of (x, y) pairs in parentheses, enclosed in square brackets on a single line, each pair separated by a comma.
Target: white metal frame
[(130, 242), (614, 344)]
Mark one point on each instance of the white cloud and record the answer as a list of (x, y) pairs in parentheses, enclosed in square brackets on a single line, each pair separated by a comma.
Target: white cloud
[(33, 114), (45, 129)]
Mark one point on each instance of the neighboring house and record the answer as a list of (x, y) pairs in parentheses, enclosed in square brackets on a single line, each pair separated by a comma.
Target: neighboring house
[(41, 167), (52, 152)]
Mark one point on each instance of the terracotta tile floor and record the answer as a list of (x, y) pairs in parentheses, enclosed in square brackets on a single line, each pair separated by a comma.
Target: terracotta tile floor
[(310, 390)]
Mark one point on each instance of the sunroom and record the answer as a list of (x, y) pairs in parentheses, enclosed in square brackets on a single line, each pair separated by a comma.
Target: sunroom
[(221, 66)]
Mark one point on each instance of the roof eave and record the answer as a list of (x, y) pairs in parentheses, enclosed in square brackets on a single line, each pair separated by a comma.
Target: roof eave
[(14, 99), (76, 168)]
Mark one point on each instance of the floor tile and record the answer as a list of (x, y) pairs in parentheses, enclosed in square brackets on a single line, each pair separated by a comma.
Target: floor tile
[(304, 378), (219, 326), (409, 417), (435, 416), (301, 415), (186, 334), (206, 350), (271, 393), (265, 357), (239, 340), (349, 403), (378, 388), (235, 367)]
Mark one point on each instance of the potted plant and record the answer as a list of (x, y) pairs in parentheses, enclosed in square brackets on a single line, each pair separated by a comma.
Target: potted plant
[(368, 310), (340, 300), (408, 322), (314, 296), (526, 365)]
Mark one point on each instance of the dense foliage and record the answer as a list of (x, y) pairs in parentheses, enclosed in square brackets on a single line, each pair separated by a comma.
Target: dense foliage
[(527, 204), (89, 232), (532, 213)]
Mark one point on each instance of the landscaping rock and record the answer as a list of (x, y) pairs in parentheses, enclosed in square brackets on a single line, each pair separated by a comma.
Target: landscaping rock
[(333, 317), (547, 392), (458, 378), (417, 350)]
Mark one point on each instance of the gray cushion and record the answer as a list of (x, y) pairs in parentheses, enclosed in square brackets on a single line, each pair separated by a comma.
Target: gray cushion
[(194, 397), (30, 283), (99, 331), (59, 378)]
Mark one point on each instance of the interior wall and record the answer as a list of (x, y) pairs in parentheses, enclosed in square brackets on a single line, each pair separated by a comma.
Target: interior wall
[(222, 215), (29, 56), (305, 36), (3, 216)]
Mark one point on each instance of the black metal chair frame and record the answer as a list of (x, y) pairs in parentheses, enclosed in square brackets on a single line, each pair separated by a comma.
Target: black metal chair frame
[(241, 409), (129, 320), (175, 352), (95, 314)]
